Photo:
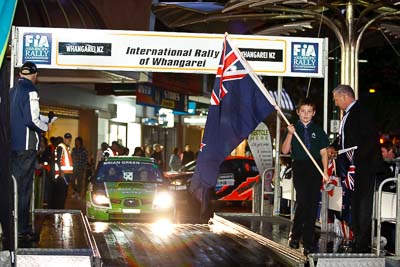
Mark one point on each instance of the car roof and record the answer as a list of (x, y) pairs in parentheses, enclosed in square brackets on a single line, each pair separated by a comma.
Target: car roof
[(238, 157), (129, 158)]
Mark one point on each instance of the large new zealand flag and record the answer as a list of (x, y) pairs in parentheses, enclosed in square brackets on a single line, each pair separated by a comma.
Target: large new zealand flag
[(237, 106)]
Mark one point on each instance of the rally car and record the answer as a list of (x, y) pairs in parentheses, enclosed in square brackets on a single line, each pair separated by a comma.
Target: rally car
[(237, 176), (128, 188)]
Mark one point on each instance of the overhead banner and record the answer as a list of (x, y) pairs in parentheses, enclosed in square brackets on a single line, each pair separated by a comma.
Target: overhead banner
[(59, 48)]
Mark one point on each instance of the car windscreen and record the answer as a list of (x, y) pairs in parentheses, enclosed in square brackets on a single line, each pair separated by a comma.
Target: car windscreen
[(188, 167), (128, 171)]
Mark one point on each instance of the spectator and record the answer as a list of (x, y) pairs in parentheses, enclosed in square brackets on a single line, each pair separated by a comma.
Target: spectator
[(148, 151), (157, 155), (388, 169), (187, 155), (50, 150), (44, 159), (388, 150), (125, 151), (42, 156), (120, 150), (104, 152), (138, 152), (285, 173), (115, 147), (79, 158), (174, 160)]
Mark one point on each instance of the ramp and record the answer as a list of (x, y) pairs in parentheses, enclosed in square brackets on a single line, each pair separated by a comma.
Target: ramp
[(65, 239), (345, 260), (290, 257)]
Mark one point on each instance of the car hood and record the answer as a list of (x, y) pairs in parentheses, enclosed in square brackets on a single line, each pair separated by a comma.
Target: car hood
[(125, 189), (177, 175)]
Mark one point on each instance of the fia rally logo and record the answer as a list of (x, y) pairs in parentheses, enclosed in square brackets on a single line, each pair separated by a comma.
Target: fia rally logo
[(37, 48), (305, 57)]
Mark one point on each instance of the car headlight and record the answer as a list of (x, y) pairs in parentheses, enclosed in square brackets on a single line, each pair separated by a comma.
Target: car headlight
[(163, 200), (177, 182), (99, 198)]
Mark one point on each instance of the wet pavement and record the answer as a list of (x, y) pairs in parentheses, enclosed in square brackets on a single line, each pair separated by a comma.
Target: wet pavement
[(61, 229)]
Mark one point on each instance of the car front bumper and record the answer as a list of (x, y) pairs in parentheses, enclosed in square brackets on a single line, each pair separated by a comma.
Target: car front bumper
[(106, 214)]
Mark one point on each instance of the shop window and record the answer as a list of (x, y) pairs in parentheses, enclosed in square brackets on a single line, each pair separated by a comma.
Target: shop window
[(118, 132)]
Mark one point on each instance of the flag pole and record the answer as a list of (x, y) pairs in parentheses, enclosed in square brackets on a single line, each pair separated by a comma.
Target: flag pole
[(265, 92)]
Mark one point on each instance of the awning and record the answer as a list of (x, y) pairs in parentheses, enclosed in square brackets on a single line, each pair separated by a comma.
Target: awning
[(286, 101)]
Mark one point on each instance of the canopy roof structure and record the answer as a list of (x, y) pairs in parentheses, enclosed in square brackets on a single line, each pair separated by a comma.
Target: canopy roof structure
[(374, 22), (278, 17)]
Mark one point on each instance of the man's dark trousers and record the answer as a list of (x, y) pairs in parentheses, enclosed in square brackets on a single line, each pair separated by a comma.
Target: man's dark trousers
[(361, 211), (23, 167)]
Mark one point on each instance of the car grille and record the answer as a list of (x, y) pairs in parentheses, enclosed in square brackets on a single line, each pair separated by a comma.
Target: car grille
[(131, 202), (147, 201)]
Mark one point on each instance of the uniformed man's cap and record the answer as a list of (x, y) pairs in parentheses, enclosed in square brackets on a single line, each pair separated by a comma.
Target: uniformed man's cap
[(67, 135), (28, 68)]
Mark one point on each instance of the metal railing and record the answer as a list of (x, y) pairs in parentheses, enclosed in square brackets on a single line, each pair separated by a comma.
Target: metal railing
[(379, 219), (258, 193), (377, 211)]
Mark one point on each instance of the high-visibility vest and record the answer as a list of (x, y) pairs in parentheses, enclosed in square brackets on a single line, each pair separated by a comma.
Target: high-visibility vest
[(66, 160)]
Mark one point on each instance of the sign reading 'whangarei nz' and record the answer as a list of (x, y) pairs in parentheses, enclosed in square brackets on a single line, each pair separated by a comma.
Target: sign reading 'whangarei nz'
[(84, 49), (272, 55), (57, 48)]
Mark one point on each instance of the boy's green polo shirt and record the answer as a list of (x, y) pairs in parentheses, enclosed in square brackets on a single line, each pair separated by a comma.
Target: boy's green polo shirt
[(318, 140)]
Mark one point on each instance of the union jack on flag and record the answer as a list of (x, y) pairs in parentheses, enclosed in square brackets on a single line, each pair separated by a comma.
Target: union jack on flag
[(350, 154), (331, 167), (230, 68), (349, 180), (347, 169)]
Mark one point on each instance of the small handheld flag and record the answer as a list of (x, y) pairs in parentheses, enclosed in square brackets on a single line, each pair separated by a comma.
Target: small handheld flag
[(346, 167)]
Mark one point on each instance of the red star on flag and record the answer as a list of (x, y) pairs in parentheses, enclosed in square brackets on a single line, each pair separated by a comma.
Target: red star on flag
[(201, 146)]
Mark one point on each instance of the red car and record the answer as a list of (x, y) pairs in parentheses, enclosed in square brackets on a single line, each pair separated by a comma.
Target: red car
[(237, 176)]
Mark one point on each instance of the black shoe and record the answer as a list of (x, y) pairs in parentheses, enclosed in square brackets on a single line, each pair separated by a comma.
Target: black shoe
[(294, 243)]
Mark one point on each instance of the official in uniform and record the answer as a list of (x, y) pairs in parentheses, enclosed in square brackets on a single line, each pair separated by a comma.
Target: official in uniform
[(63, 171)]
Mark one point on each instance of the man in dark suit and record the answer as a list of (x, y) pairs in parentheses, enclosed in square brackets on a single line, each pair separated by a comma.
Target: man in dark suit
[(358, 129)]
